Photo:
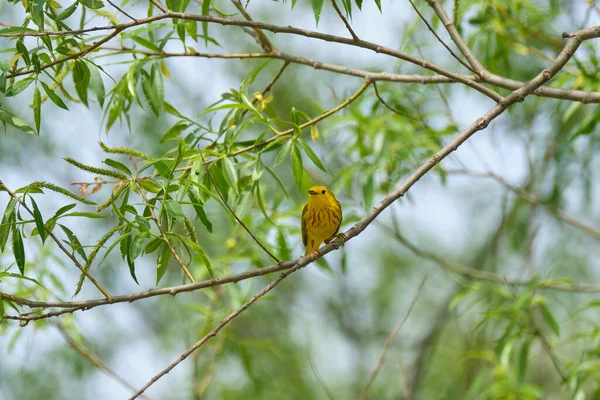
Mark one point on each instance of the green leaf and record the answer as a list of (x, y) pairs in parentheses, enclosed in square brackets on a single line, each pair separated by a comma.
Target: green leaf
[(311, 154), (317, 6), (179, 156), (67, 12), (378, 3), (18, 87), (200, 252), (153, 245), (18, 250), (8, 220), (131, 266), (283, 153), (172, 110), (230, 174), (146, 43), (205, 11), (137, 245), (81, 78), (199, 210), (63, 210), (549, 318), (174, 209), (157, 83), (523, 360), (153, 91), (118, 165), (97, 85), (39, 221), (297, 167), (86, 215), (17, 122), (53, 96), (16, 29), (37, 108), (93, 4), (175, 131), (162, 262), (74, 242)]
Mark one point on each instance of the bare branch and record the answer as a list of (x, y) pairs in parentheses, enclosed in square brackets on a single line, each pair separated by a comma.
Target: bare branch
[(253, 24), (467, 66), (456, 37), (496, 80), (123, 12), (344, 20), (262, 39)]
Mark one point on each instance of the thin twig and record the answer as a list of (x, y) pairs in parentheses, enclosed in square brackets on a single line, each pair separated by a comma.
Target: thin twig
[(261, 38), (206, 168), (118, 8), (390, 339), (344, 20), (456, 37), (58, 243), (467, 66), (392, 109), (159, 6)]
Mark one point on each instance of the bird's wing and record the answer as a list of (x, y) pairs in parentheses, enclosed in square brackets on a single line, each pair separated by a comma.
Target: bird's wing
[(339, 224), (304, 216)]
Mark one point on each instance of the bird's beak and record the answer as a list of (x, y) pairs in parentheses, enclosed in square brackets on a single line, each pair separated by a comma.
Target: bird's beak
[(312, 192)]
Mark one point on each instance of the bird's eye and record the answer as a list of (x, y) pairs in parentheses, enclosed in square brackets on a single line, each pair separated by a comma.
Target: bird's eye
[(323, 192)]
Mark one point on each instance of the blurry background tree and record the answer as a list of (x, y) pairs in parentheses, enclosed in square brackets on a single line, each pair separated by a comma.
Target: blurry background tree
[(155, 162)]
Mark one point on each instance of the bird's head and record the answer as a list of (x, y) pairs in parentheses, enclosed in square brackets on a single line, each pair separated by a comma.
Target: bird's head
[(320, 194)]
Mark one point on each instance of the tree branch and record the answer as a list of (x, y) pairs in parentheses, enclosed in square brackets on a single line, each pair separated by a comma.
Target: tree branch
[(467, 66), (344, 20), (253, 24), (456, 37)]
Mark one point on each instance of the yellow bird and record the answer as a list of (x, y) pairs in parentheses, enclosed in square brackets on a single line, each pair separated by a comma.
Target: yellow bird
[(321, 219)]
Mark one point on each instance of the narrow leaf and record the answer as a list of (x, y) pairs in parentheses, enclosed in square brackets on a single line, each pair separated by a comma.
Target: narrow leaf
[(53, 96), (297, 167), (18, 249), (311, 154), (37, 108), (39, 221)]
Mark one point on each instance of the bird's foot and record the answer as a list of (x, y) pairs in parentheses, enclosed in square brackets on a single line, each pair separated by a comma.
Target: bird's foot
[(341, 236)]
